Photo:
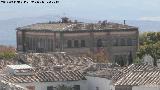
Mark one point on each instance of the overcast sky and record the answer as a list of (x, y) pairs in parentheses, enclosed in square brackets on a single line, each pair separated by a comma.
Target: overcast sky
[(91, 9)]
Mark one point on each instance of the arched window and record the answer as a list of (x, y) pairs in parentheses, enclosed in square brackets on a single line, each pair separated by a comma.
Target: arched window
[(69, 44), (99, 43)]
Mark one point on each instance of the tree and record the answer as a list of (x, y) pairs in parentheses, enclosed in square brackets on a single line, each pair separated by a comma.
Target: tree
[(130, 58), (101, 56), (150, 46), (7, 55)]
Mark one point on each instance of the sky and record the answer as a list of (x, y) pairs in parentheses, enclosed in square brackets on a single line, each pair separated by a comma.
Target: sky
[(90, 9)]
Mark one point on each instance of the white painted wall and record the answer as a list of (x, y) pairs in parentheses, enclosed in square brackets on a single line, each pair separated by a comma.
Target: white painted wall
[(102, 83), (43, 85), (146, 87)]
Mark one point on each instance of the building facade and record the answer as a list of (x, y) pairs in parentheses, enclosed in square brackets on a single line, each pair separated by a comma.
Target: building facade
[(117, 41)]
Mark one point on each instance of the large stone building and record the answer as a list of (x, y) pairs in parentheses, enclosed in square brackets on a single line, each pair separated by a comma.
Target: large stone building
[(117, 41)]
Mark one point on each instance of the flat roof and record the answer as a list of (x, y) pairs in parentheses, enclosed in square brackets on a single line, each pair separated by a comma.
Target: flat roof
[(58, 26)]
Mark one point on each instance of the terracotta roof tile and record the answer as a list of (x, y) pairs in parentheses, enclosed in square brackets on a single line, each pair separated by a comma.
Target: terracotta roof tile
[(140, 78), (47, 76), (121, 72)]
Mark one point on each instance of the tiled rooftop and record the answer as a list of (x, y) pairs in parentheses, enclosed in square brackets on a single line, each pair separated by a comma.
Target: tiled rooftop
[(136, 69), (58, 60), (118, 73), (10, 86), (140, 78), (47, 76), (139, 67), (106, 73), (4, 63)]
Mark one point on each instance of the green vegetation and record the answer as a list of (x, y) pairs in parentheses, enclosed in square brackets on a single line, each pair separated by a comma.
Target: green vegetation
[(7, 52), (7, 55), (149, 45)]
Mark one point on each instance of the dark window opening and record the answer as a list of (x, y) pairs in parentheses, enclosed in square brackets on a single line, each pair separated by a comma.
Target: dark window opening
[(115, 42), (76, 87), (69, 43), (50, 88), (99, 43), (57, 44), (83, 43), (76, 44), (120, 59), (122, 42)]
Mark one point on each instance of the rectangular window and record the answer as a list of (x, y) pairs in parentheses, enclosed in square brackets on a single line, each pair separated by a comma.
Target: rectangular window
[(99, 43), (129, 42), (69, 44), (122, 43), (83, 43), (115, 42), (50, 88), (76, 87), (76, 44)]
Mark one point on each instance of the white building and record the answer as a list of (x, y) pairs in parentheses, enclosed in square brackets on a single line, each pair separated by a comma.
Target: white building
[(99, 80), (25, 76)]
